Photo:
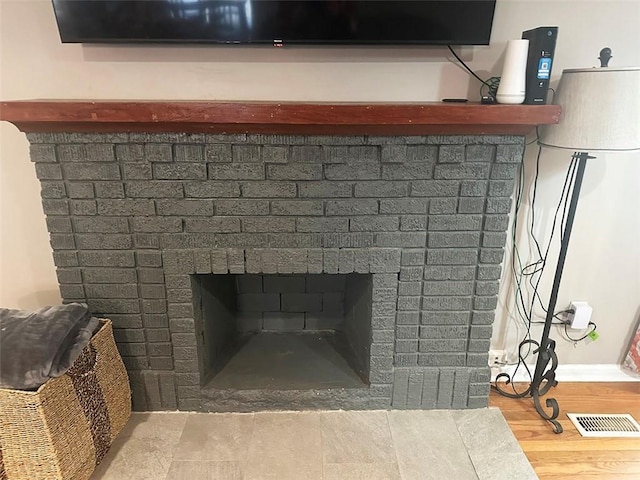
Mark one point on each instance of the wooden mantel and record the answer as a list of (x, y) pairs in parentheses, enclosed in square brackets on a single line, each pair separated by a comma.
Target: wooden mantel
[(276, 117)]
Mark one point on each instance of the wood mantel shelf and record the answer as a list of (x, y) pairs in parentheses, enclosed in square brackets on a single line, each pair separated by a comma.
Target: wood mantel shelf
[(276, 117)]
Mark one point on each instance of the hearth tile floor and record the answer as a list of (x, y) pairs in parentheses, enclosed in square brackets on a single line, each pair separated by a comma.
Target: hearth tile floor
[(317, 445)]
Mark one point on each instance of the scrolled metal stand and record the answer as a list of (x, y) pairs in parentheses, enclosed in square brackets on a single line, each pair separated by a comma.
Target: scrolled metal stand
[(544, 377)]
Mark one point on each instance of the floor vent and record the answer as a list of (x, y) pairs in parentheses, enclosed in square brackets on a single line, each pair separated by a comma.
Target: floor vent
[(605, 425)]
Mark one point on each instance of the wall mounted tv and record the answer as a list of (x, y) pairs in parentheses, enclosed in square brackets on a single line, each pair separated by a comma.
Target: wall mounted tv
[(273, 22)]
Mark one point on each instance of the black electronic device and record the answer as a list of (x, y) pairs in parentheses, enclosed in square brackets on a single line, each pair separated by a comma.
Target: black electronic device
[(277, 22), (542, 45)]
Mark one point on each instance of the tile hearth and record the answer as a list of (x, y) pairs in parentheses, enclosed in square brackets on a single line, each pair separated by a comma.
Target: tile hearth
[(366, 445), (136, 218)]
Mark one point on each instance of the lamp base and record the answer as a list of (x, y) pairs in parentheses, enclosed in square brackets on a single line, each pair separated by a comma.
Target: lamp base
[(544, 377)]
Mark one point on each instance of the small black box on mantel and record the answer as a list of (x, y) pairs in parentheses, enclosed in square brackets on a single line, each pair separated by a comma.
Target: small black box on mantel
[(542, 45)]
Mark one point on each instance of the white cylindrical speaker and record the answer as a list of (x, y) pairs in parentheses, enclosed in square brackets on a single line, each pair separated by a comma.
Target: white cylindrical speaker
[(513, 80)]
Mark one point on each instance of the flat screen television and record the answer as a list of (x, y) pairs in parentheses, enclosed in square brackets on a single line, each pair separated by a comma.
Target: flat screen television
[(276, 22)]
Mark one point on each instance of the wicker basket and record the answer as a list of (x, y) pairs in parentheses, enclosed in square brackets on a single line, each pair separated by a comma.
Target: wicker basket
[(64, 429)]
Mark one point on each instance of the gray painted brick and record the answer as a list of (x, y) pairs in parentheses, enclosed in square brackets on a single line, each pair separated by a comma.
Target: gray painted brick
[(246, 153), (451, 154), (441, 359), (103, 241), (325, 189), (156, 224), (394, 154), (128, 335), (403, 205), (91, 171), (109, 190), (464, 171), (435, 188), (461, 388), (156, 152), (236, 171), (126, 207), (346, 260), (476, 359), (414, 395), (213, 224), (408, 303), (282, 321), (306, 153), (485, 317), (167, 391), (174, 281), (443, 205), (80, 190), (441, 272), (448, 288), (386, 294), (302, 171), (498, 205), (59, 225), (485, 303), (496, 223), (504, 171), (446, 303), (154, 189), (111, 290), (409, 288), (501, 188), (106, 259), (282, 284), (374, 224), (322, 224), (407, 318), (368, 171), (185, 207), (269, 189), (452, 256), (489, 272), (400, 388), (102, 224), (473, 188), (412, 257), (407, 171), (275, 154), (259, 302), (385, 280), (454, 239), (407, 332), (330, 261), (296, 207), (151, 275), (406, 346), (471, 205), (177, 295), (130, 153), (509, 153), (83, 207), (72, 292), (479, 345), (179, 171), (444, 332), (480, 153), (65, 259), (491, 255), (384, 260), (268, 224), (401, 239), (413, 223), (181, 325), (178, 261), (188, 153), (153, 291), (378, 189), (455, 222), (405, 359), (42, 153), (242, 207), (86, 153), (219, 261), (69, 275), (235, 260), (218, 153), (48, 171), (212, 189), (107, 307), (62, 241), (202, 261), (149, 259), (52, 190)]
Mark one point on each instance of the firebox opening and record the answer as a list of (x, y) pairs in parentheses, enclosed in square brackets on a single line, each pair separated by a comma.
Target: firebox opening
[(283, 332)]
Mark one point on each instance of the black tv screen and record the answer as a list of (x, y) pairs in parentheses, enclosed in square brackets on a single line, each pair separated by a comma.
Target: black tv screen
[(321, 22)]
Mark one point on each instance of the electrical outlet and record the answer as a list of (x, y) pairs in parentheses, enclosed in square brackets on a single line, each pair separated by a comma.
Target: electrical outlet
[(496, 357), (579, 319)]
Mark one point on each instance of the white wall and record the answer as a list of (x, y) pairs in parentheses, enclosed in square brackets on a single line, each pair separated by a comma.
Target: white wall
[(604, 260)]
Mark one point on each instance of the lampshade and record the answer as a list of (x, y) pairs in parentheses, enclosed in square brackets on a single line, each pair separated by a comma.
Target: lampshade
[(600, 110)]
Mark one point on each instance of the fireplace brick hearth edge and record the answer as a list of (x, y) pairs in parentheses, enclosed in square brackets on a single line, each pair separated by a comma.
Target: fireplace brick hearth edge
[(132, 215)]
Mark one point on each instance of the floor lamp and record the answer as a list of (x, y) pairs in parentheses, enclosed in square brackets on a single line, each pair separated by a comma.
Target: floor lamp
[(600, 113)]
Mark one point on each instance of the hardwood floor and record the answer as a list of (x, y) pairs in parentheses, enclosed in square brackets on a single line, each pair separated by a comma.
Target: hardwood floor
[(569, 455)]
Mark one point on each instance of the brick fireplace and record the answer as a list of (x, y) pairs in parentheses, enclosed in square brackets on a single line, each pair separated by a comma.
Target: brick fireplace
[(230, 262)]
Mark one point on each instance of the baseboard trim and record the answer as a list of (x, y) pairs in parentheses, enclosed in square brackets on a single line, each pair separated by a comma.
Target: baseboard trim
[(575, 373)]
